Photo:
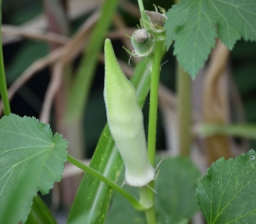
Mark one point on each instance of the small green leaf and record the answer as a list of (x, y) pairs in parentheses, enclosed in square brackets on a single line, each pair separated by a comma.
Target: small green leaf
[(176, 186), (194, 25), (227, 193), (31, 160)]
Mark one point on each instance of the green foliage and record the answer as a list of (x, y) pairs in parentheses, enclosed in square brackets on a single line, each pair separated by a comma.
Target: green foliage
[(175, 198), (40, 213), (31, 160), (194, 25), (227, 193), (175, 187)]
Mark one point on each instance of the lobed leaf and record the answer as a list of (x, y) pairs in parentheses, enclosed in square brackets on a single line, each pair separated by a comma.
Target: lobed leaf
[(194, 25), (175, 201), (227, 193), (31, 160), (176, 185)]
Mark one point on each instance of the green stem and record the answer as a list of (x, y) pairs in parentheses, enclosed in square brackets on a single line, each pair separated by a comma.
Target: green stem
[(148, 199), (3, 87), (156, 64), (151, 216), (141, 6), (143, 15), (154, 101), (136, 204), (184, 111)]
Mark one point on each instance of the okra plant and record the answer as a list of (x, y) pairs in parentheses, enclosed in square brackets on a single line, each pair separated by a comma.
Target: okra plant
[(151, 190)]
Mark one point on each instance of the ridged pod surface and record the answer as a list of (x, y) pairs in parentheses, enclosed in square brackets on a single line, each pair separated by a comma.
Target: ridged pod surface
[(125, 121)]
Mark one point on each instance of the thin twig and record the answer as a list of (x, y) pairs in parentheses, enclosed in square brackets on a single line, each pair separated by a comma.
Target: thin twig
[(38, 24), (51, 92), (64, 54), (47, 36)]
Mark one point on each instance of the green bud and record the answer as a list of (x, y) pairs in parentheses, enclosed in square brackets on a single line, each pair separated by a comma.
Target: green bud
[(125, 122), (156, 18), (142, 43)]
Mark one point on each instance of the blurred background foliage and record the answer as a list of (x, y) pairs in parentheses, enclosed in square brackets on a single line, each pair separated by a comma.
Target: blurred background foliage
[(20, 54)]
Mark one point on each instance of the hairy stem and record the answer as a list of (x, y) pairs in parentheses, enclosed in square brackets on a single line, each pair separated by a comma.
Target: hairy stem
[(141, 6), (147, 197), (154, 101), (150, 214)]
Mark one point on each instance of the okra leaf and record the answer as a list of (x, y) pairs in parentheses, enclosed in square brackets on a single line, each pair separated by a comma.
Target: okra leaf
[(176, 186), (121, 211), (194, 25), (93, 197), (31, 160), (175, 198), (226, 194)]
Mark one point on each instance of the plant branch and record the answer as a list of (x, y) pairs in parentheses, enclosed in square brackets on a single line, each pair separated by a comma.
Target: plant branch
[(51, 92), (154, 101), (184, 110), (47, 36), (136, 204), (3, 87), (148, 199)]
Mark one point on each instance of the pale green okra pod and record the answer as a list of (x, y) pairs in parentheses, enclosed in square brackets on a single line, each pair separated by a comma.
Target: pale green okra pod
[(125, 121)]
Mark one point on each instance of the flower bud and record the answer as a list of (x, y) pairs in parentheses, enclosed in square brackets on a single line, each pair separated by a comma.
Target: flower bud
[(142, 43), (125, 122), (157, 19)]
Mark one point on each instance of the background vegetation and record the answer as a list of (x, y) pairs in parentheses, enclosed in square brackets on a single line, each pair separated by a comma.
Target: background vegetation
[(28, 51)]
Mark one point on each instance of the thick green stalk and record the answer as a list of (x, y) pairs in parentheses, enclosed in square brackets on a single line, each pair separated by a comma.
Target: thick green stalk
[(151, 215), (3, 87), (148, 199), (154, 101), (184, 110), (81, 86), (141, 206), (156, 65)]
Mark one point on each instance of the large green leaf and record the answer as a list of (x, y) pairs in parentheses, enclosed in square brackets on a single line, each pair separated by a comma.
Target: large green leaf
[(176, 187), (175, 198), (93, 197), (227, 193), (31, 160), (121, 211), (194, 25)]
